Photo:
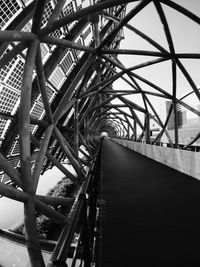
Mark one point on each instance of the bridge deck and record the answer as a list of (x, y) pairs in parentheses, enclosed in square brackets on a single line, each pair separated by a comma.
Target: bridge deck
[(151, 215)]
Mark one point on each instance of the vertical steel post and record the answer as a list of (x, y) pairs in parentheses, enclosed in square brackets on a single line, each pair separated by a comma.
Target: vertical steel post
[(147, 128), (175, 123), (135, 130), (33, 245), (76, 129)]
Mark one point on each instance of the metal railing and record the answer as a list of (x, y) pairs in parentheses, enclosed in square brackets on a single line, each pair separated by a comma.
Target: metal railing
[(78, 240), (195, 148)]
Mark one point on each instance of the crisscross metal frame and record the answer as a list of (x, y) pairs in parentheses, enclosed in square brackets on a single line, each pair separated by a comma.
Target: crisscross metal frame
[(84, 102)]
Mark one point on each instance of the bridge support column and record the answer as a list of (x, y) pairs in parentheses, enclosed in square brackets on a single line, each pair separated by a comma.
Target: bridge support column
[(147, 128), (76, 127)]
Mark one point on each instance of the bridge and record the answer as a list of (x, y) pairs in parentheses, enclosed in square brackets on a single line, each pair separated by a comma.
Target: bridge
[(111, 88)]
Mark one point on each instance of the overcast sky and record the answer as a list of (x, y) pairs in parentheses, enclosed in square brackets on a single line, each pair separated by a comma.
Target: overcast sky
[(186, 38)]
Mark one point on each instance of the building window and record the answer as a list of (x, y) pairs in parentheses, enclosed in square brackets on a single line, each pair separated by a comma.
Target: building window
[(37, 111), (87, 35), (68, 9), (57, 33), (44, 52), (4, 124), (51, 93), (57, 78), (47, 13), (16, 75), (67, 63), (15, 150), (79, 53), (8, 10), (8, 100), (33, 128), (6, 69), (12, 73), (5, 178), (27, 27)]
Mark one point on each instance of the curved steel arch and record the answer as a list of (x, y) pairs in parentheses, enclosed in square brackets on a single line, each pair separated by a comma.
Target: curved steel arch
[(59, 61)]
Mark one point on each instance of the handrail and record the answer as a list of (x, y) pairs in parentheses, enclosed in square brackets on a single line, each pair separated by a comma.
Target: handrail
[(181, 160), (165, 144)]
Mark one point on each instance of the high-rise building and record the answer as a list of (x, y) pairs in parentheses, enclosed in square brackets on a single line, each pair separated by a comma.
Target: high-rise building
[(188, 122)]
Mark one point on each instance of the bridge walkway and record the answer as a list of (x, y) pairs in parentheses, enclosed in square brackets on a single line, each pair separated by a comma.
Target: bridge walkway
[(151, 213)]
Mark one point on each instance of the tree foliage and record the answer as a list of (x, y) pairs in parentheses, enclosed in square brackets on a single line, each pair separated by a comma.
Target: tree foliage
[(47, 228)]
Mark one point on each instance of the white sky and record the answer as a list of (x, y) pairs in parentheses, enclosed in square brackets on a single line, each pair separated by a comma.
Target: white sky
[(186, 37)]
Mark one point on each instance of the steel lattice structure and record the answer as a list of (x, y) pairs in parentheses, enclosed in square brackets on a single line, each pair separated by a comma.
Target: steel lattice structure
[(59, 61)]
